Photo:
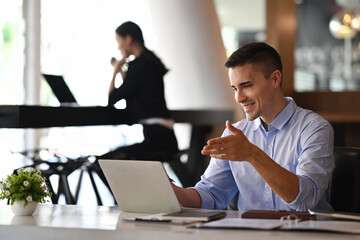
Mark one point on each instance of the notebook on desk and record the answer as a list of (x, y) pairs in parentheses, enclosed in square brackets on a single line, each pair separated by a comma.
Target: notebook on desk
[(144, 187), (61, 90)]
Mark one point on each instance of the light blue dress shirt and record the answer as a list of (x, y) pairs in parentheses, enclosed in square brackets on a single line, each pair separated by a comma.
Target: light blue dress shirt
[(299, 140)]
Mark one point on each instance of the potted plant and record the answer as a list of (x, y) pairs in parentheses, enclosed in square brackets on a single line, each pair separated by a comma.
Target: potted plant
[(24, 189)]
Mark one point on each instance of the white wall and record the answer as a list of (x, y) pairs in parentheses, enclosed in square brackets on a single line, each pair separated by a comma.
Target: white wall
[(189, 42)]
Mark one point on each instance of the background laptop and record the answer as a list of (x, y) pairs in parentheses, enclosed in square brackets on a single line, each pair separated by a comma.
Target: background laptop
[(60, 89), (140, 186)]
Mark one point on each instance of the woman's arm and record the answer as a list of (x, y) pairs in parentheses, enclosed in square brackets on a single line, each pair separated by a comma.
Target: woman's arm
[(117, 69)]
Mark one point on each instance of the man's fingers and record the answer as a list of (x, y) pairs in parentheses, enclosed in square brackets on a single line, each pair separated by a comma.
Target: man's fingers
[(231, 128), (219, 156), (208, 150), (218, 141)]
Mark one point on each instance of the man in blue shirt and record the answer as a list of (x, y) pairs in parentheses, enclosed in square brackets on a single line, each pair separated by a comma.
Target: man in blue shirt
[(280, 157)]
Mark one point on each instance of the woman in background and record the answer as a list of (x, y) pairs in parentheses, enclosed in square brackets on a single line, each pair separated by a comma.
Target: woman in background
[(143, 90)]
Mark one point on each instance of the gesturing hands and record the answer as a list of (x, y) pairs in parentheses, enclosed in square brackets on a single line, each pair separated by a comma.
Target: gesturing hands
[(234, 147), (237, 147)]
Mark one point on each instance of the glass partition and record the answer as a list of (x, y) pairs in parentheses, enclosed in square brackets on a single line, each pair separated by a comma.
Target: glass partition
[(241, 22), (327, 54)]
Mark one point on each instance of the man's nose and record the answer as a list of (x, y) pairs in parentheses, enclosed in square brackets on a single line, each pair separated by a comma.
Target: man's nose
[(239, 97)]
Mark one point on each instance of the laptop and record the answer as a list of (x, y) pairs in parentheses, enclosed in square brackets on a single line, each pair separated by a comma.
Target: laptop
[(144, 187), (140, 186), (60, 89)]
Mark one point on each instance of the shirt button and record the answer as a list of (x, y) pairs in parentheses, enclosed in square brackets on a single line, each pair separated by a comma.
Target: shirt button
[(270, 145), (267, 192)]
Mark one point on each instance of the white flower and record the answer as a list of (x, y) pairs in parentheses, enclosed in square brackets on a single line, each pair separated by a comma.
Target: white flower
[(26, 183), (7, 193), (44, 187), (8, 184), (29, 198), (1, 186), (40, 178)]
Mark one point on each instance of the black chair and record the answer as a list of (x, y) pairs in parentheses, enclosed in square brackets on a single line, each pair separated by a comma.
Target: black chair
[(345, 181), (55, 166), (233, 203), (89, 168), (174, 160)]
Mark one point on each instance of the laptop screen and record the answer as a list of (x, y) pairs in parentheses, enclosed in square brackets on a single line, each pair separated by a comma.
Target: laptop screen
[(140, 186), (60, 89)]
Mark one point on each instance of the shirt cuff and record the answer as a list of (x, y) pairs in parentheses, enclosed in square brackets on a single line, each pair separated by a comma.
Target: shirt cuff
[(206, 200), (299, 204)]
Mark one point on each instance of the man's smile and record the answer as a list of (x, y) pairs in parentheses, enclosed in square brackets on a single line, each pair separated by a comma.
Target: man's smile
[(247, 106)]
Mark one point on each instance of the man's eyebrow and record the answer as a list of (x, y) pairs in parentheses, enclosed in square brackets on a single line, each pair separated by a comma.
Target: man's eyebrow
[(241, 84), (244, 83)]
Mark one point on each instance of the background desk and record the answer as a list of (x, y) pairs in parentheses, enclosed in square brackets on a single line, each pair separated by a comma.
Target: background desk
[(202, 121), (52, 222)]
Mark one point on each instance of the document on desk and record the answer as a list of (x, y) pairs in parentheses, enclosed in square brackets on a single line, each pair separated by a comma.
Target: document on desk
[(327, 226), (262, 224), (338, 215), (351, 227)]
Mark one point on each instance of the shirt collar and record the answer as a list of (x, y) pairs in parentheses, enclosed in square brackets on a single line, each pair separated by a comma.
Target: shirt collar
[(282, 118), (256, 123)]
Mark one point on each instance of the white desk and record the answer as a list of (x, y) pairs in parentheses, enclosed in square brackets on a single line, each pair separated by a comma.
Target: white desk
[(78, 222)]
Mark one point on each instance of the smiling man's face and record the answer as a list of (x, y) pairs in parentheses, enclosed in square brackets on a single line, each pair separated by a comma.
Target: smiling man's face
[(254, 92)]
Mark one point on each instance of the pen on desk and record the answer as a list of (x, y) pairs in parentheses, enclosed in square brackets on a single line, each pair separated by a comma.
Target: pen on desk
[(151, 220)]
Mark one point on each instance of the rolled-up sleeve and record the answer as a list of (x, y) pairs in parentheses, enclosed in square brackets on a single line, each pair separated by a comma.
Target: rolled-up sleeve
[(315, 166), (217, 185)]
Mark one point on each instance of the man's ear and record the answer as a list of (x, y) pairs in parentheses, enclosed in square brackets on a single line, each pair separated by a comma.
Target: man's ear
[(276, 78)]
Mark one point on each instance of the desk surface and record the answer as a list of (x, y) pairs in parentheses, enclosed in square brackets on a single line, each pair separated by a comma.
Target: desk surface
[(79, 222)]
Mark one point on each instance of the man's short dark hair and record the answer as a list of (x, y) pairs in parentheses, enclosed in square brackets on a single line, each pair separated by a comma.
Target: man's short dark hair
[(256, 53)]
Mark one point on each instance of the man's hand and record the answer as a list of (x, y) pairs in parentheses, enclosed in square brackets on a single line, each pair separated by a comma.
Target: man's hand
[(237, 147), (234, 147)]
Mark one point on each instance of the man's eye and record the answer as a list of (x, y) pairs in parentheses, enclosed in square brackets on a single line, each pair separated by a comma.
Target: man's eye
[(234, 89), (247, 85)]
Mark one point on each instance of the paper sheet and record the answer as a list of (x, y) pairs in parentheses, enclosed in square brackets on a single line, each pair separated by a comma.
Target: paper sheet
[(352, 227)]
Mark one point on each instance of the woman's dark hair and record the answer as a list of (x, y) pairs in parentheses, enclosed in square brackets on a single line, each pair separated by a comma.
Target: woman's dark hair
[(256, 53), (132, 29)]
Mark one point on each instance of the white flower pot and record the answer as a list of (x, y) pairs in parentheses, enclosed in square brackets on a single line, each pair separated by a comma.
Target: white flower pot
[(19, 209), (24, 220)]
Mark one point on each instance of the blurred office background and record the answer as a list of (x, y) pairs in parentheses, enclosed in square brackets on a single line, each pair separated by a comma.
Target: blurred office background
[(76, 39)]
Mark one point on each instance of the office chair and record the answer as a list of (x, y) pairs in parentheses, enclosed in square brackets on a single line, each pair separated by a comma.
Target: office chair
[(56, 165), (233, 203), (345, 181), (174, 160)]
